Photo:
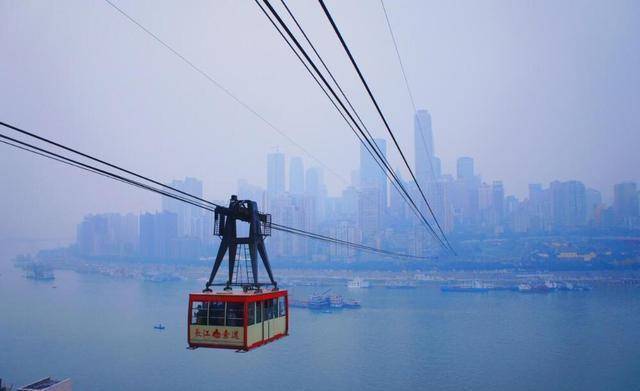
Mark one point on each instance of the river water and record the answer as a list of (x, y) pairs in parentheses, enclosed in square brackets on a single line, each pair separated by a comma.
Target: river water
[(99, 331)]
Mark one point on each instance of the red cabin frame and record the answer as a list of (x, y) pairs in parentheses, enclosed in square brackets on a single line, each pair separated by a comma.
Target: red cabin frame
[(263, 319)]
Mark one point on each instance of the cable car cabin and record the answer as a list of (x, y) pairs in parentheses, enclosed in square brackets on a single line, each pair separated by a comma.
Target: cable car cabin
[(237, 320)]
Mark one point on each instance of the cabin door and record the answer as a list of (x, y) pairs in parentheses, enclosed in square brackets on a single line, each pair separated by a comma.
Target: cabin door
[(266, 330)]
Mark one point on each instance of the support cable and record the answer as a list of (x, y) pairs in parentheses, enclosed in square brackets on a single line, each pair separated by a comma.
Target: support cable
[(342, 105), (222, 88), (384, 120), (193, 201)]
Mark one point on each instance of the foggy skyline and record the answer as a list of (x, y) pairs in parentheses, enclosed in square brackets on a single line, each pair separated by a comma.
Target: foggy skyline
[(532, 91)]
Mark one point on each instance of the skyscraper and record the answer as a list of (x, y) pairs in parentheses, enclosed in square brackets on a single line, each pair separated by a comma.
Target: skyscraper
[(369, 213), (424, 151), (275, 174), (497, 202), (187, 214), (625, 201), (157, 233), (296, 176), (594, 200), (568, 204), (371, 175), (465, 168), (317, 190)]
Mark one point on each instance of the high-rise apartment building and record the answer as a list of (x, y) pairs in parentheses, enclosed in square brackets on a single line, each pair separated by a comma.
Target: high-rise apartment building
[(427, 165), (275, 174), (625, 201), (464, 168), (497, 202), (188, 216), (158, 231), (371, 175), (296, 176), (568, 204)]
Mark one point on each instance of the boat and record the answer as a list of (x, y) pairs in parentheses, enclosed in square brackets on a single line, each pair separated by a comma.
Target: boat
[(358, 283), (336, 301), (528, 288), (475, 286), (400, 285), (350, 303), (39, 273), (524, 288), (511, 288), (159, 326), (319, 301), (569, 287)]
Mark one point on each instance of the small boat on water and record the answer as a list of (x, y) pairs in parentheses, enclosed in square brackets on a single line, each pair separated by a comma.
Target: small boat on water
[(541, 288), (40, 273), (358, 283), (400, 285), (350, 303), (159, 326), (475, 286), (524, 288), (319, 301), (336, 301)]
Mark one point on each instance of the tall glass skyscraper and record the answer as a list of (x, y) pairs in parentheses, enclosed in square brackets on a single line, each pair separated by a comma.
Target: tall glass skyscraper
[(275, 174), (371, 175), (424, 152), (464, 168), (187, 214), (296, 176)]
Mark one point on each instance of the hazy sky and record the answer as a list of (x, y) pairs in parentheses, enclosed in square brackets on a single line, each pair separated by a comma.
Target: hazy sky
[(533, 90)]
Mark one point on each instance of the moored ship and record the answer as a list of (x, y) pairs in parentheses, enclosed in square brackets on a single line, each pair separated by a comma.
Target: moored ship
[(350, 303), (319, 301), (358, 283), (475, 286), (400, 285), (336, 301), (40, 273)]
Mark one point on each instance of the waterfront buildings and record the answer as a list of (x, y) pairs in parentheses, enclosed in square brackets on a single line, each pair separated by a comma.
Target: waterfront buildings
[(189, 216), (368, 210), (109, 234), (275, 174), (625, 204), (157, 232), (296, 176)]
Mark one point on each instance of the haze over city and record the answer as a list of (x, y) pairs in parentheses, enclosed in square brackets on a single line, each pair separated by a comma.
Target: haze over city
[(532, 91), (356, 195)]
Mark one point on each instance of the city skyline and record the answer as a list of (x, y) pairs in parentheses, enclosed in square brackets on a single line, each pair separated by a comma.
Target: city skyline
[(452, 185), (368, 210), (292, 176), (530, 104)]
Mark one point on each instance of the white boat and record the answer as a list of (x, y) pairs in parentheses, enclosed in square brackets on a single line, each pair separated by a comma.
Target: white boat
[(524, 288), (336, 301), (358, 283)]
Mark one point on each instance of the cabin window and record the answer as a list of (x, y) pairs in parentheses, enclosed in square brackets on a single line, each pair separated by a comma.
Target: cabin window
[(282, 308), (258, 311), (268, 309), (235, 314), (199, 312), (275, 307), (251, 316), (216, 313)]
